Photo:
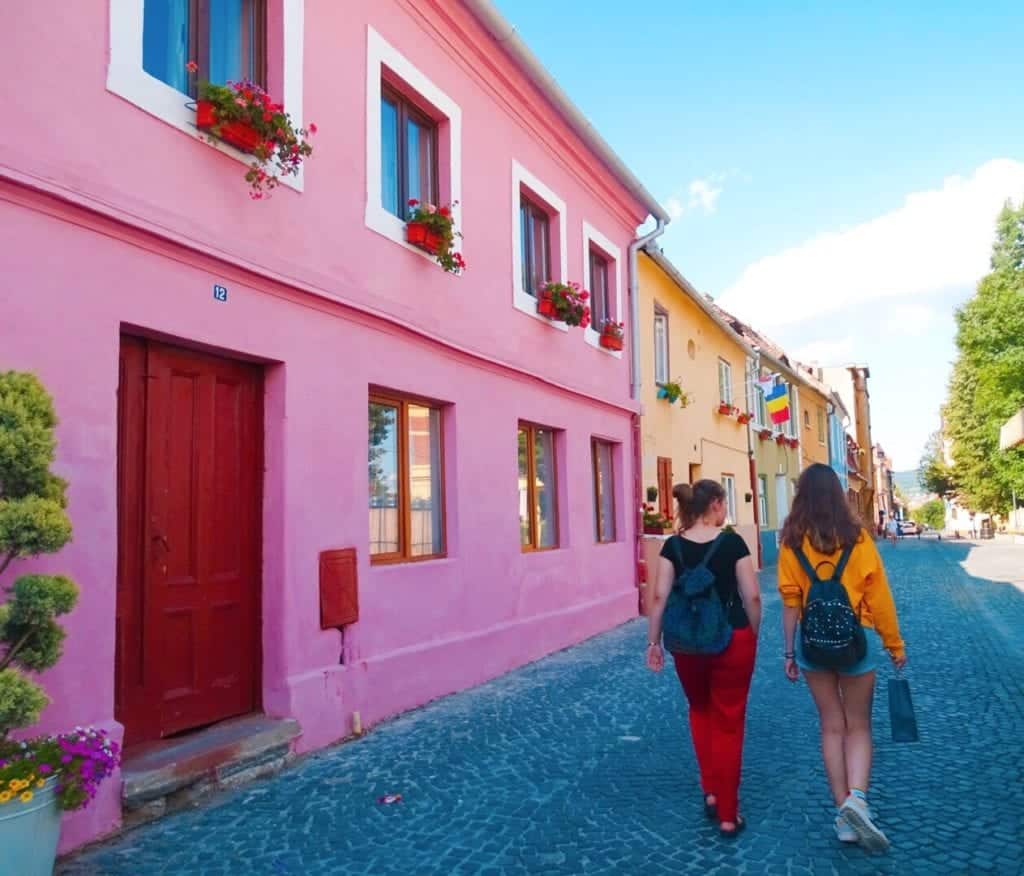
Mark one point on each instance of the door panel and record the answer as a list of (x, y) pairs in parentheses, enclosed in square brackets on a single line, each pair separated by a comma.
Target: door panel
[(665, 486), (200, 538)]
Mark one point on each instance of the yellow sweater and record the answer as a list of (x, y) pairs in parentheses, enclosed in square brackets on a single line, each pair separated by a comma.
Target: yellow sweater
[(865, 582)]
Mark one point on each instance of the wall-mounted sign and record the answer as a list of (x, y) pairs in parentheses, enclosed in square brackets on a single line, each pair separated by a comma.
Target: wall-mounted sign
[(220, 293)]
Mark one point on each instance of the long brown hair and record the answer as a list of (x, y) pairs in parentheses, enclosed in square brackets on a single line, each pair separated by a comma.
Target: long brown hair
[(693, 502), (820, 512)]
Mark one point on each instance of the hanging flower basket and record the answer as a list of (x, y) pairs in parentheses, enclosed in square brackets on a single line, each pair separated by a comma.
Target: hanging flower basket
[(612, 334), (743, 419), (672, 392), (564, 302), (727, 410), (794, 443), (781, 439), (432, 229), (243, 115), (765, 435)]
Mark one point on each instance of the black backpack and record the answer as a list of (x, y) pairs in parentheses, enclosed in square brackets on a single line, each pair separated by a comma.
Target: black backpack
[(831, 634), (696, 621)]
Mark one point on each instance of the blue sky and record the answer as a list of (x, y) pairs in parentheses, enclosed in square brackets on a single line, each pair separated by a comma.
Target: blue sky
[(814, 157)]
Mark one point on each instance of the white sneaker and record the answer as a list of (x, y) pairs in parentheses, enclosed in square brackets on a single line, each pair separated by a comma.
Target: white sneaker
[(856, 813), (845, 833)]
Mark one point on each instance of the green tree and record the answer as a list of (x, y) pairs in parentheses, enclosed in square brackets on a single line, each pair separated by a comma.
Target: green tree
[(987, 384), (933, 473), (931, 513), (33, 521)]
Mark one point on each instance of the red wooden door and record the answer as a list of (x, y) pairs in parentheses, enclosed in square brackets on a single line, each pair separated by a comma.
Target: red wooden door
[(190, 454), (665, 486)]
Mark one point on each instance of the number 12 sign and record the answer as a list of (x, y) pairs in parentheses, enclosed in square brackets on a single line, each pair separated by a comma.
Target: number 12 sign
[(220, 293)]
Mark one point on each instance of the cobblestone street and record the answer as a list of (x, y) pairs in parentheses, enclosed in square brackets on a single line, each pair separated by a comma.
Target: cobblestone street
[(581, 764)]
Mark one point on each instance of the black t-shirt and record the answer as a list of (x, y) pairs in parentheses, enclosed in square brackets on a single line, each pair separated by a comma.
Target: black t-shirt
[(685, 554)]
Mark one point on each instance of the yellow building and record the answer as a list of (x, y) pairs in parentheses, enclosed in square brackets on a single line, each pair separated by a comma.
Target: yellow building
[(813, 403), (684, 341)]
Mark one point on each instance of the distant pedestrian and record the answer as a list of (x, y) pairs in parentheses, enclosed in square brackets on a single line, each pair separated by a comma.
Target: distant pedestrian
[(707, 604), (836, 648), (893, 530)]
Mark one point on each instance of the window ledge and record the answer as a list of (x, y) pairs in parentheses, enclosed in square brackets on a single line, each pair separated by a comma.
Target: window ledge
[(390, 226), (528, 304), (594, 339), (127, 79)]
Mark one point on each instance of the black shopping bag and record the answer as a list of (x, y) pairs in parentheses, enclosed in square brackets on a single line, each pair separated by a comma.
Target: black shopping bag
[(901, 711)]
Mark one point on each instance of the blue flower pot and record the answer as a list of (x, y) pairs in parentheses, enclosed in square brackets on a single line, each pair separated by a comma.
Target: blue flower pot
[(29, 833)]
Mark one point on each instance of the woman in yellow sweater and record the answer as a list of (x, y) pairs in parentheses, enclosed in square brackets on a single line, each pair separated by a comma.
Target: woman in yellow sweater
[(823, 535)]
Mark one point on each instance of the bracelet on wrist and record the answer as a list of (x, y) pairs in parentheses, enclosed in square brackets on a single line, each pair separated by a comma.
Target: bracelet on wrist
[(654, 644), (789, 655)]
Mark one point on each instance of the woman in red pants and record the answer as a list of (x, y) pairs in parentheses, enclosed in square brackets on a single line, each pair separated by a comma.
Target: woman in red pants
[(715, 684)]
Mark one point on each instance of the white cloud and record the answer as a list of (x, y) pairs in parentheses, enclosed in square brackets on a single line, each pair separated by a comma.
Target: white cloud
[(704, 194), (910, 320), (938, 240), (826, 352), (674, 207)]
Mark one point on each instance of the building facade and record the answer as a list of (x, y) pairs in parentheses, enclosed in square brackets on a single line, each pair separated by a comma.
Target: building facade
[(683, 340), (260, 399), (814, 404), (851, 384)]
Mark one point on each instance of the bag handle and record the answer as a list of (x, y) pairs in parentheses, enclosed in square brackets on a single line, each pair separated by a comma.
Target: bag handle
[(812, 571)]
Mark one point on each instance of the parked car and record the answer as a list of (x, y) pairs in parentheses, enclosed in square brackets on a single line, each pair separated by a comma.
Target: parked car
[(909, 527)]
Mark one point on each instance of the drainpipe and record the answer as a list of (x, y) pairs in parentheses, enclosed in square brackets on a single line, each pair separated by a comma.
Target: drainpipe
[(754, 483), (643, 574)]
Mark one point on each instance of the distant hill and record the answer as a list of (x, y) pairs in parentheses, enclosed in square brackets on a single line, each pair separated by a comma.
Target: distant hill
[(910, 487)]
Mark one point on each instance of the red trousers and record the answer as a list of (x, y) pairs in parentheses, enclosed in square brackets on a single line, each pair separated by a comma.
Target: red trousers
[(716, 687)]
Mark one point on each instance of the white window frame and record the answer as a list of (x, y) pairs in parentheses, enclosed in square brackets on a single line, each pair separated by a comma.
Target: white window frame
[(762, 499), (127, 78), (594, 239), (521, 300), (729, 485), (792, 425), (380, 54), (725, 395), (662, 315)]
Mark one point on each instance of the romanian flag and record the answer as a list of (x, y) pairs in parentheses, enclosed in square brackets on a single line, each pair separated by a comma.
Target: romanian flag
[(777, 402)]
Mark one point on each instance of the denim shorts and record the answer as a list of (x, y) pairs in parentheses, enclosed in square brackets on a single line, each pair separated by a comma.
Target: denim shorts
[(868, 663)]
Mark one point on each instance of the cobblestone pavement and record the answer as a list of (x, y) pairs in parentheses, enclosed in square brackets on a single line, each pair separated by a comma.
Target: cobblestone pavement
[(580, 764)]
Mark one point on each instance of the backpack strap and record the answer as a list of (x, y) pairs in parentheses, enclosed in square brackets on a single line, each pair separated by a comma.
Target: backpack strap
[(812, 573), (713, 549), (843, 560)]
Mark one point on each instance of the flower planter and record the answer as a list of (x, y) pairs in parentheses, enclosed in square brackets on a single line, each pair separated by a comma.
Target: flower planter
[(29, 833), (420, 235), (653, 530), (546, 308), (238, 134), (611, 342), (725, 410), (764, 435)]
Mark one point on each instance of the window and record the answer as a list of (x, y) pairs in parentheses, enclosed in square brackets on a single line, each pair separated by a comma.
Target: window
[(538, 502), (408, 154), (724, 382), (413, 143), (535, 245), (600, 294), (791, 427), (660, 346), (761, 411), (604, 491), (729, 485), (405, 469), (807, 419), (226, 38), (665, 486), (822, 432), (762, 498)]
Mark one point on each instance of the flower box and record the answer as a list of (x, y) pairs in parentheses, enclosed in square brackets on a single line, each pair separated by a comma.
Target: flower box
[(610, 342), (420, 235), (241, 135), (726, 410), (765, 434), (546, 308), (781, 439), (564, 302), (653, 530), (743, 419)]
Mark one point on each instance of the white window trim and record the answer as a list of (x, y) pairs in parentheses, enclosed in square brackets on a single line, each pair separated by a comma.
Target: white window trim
[(725, 389), (592, 236), (127, 79), (380, 54), (520, 300), (732, 510), (668, 327)]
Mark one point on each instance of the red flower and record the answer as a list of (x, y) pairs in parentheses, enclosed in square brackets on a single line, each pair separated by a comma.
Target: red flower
[(192, 67), (413, 202), (295, 149), (444, 211), (311, 128), (247, 94), (584, 295), (267, 116)]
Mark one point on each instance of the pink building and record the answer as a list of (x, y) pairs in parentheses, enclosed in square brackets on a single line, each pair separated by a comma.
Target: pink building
[(224, 369)]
